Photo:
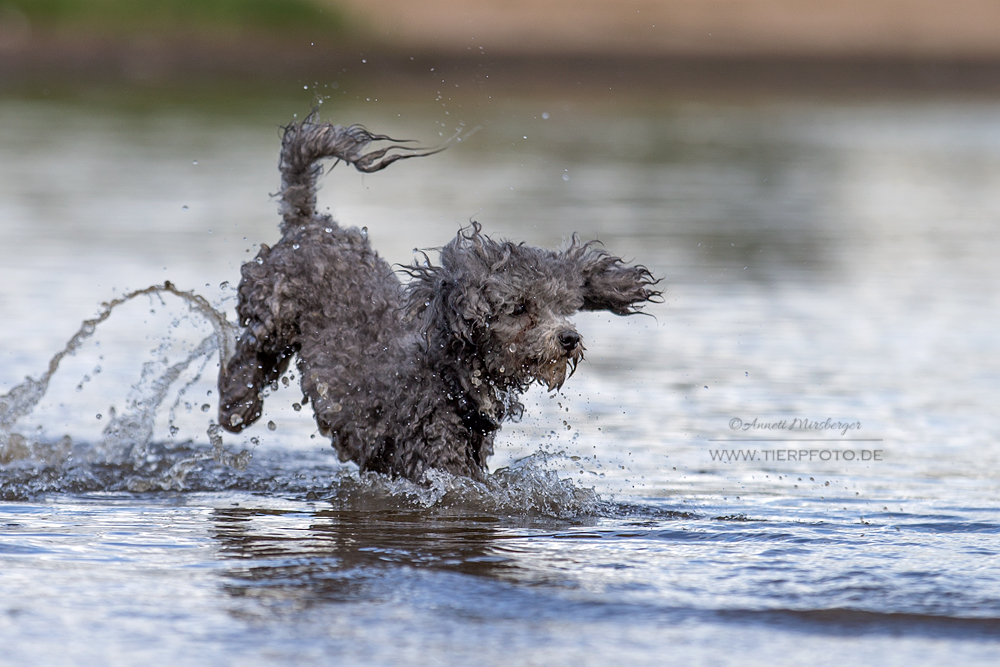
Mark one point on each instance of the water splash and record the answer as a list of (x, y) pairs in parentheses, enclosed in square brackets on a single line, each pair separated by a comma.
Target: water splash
[(127, 439), (23, 398), (529, 487), (133, 430)]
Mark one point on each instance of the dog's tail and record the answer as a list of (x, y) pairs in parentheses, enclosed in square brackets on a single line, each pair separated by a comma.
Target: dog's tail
[(305, 144)]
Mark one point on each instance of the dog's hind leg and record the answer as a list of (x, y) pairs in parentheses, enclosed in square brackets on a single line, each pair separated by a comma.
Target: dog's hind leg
[(242, 382), (263, 349)]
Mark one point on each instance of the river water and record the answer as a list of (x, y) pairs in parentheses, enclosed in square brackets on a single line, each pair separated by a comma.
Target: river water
[(792, 460)]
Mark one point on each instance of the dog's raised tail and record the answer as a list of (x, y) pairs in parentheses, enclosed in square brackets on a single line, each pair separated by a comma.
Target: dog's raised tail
[(305, 144)]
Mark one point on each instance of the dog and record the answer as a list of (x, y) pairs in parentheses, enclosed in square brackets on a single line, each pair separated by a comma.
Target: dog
[(404, 377)]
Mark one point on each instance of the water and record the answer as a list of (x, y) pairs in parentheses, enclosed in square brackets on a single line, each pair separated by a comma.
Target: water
[(822, 261)]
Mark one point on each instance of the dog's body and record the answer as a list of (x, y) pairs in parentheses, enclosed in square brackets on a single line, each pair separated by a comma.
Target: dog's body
[(404, 378)]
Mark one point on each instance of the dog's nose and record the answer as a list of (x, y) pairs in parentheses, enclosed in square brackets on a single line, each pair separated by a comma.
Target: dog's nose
[(569, 339)]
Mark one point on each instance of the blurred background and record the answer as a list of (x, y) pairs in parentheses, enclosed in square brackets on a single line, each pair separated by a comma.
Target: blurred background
[(924, 44)]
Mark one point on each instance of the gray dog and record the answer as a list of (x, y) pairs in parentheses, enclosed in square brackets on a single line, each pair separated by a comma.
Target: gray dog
[(408, 377)]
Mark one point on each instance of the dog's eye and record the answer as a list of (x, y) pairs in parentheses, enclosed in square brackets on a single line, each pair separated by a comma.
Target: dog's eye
[(519, 309)]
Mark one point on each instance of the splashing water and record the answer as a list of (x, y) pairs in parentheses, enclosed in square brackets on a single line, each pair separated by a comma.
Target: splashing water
[(20, 400), (526, 488), (127, 438)]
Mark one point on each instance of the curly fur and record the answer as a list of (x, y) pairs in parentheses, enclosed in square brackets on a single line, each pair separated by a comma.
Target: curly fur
[(407, 377)]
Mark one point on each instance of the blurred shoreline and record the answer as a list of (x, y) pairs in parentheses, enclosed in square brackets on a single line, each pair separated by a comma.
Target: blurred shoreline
[(66, 64), (640, 47)]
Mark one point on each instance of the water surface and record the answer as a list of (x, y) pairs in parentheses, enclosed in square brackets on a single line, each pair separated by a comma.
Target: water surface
[(821, 261)]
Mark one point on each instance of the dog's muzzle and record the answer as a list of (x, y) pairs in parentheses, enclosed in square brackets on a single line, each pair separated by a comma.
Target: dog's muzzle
[(556, 371)]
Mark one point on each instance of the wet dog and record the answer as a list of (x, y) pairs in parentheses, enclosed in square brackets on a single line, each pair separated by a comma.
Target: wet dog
[(408, 376)]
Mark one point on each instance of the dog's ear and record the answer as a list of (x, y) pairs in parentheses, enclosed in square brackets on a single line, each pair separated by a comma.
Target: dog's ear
[(608, 283), (460, 309), (470, 307), (446, 302), (451, 298)]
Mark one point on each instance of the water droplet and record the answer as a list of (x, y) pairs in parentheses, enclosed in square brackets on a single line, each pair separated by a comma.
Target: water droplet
[(206, 407), (174, 430), (565, 177), (295, 246), (99, 416), (296, 407), (364, 232), (512, 348), (184, 207), (224, 284), (545, 115), (259, 260), (194, 162), (329, 230), (271, 426)]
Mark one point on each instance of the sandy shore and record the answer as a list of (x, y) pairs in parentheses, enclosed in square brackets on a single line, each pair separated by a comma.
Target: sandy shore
[(799, 28)]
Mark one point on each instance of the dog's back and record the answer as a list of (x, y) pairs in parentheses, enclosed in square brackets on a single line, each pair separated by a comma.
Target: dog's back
[(321, 292)]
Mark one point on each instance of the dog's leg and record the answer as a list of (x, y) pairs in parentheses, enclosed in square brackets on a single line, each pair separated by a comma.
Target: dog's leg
[(242, 382), (263, 350)]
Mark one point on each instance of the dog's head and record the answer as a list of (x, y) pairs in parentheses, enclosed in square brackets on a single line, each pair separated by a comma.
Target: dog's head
[(507, 305)]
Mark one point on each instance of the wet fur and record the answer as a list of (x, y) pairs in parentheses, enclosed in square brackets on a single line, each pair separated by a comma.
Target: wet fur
[(404, 377)]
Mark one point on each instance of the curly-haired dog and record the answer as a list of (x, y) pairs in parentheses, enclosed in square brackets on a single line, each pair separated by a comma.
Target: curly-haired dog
[(404, 377)]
